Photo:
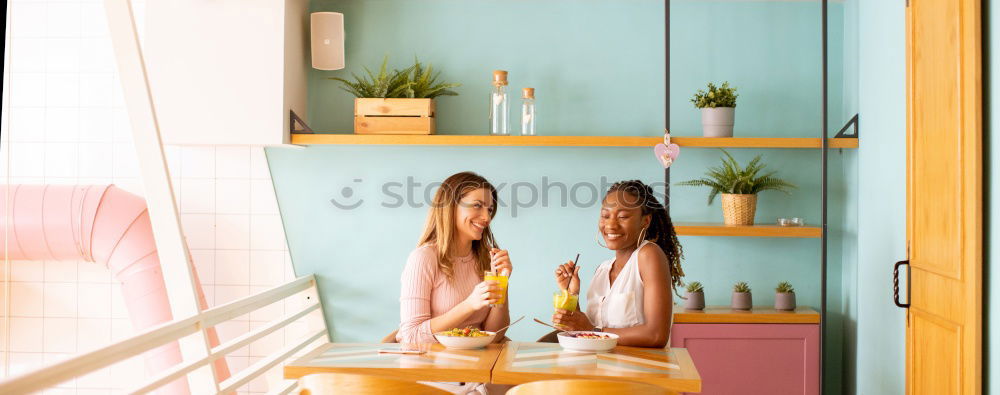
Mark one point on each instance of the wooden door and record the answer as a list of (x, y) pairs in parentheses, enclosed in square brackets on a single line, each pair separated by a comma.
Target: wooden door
[(944, 196)]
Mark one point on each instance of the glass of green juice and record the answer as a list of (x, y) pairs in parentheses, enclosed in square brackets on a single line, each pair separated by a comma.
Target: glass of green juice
[(564, 300)]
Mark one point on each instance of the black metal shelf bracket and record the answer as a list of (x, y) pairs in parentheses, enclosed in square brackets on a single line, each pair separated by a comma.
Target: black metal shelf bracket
[(297, 125), (853, 125)]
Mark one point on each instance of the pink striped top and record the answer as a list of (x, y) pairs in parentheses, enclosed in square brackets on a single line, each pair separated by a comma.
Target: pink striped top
[(427, 293)]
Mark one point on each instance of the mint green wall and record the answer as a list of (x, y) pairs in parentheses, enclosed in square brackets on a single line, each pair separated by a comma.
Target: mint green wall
[(881, 197), (597, 65), (843, 248), (359, 253), (769, 50), (598, 69)]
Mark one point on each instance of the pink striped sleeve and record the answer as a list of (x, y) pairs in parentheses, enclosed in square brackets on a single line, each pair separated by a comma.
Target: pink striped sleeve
[(417, 283)]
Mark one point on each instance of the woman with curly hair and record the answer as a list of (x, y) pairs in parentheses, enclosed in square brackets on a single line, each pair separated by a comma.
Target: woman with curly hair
[(630, 294)]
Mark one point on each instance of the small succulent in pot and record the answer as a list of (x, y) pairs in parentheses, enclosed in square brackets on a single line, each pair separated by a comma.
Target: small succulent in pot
[(718, 109), (784, 296), (742, 298), (716, 96), (418, 81), (695, 296)]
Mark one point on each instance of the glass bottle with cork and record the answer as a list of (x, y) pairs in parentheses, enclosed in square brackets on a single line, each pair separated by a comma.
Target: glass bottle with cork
[(528, 112), (499, 105)]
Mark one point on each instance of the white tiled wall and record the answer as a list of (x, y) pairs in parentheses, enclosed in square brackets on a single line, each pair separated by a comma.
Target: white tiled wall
[(65, 123)]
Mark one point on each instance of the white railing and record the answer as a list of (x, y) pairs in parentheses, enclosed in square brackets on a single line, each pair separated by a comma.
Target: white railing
[(82, 364)]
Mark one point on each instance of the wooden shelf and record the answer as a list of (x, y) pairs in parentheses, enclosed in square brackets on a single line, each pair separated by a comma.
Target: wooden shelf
[(715, 229), (763, 142), (568, 141), (759, 315)]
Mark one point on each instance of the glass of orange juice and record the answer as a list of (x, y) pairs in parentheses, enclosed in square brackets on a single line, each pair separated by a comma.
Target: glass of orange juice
[(564, 300), (501, 282)]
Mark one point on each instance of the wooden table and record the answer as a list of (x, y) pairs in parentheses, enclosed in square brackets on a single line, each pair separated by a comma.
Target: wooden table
[(668, 368), (438, 364), (510, 363)]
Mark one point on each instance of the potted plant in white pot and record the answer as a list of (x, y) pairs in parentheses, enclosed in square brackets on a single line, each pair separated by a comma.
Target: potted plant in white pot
[(718, 109), (742, 297), (739, 187), (784, 296), (397, 101), (695, 296)]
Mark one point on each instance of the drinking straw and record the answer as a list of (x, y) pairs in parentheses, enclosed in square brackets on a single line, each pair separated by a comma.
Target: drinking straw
[(575, 260)]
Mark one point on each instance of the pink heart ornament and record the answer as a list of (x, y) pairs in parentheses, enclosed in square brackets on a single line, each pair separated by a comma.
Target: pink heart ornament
[(666, 154)]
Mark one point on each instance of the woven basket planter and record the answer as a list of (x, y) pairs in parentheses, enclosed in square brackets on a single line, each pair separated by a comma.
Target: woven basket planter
[(738, 209)]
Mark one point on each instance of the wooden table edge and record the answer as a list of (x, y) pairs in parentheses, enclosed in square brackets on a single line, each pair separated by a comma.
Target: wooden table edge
[(297, 368), (684, 384), (305, 357), (455, 375), (686, 364), (678, 385)]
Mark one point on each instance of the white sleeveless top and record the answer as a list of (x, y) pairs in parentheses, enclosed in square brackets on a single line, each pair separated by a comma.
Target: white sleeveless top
[(618, 305)]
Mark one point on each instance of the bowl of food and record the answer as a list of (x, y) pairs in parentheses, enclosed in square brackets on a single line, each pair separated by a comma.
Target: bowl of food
[(465, 339), (587, 341)]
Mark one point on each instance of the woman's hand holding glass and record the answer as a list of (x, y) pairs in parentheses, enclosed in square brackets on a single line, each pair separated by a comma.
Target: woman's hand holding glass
[(500, 261), (566, 317), (568, 277), (484, 294), (571, 320)]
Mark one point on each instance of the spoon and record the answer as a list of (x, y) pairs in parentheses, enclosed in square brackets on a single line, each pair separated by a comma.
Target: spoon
[(508, 325), (548, 325)]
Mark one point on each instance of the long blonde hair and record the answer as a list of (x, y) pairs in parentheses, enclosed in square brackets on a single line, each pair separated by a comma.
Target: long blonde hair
[(440, 227)]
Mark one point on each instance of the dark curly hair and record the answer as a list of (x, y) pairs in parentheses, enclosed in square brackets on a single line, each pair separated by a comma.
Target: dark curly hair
[(661, 228)]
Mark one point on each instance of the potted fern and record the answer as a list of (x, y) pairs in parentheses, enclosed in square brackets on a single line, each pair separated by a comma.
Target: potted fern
[(695, 296), (739, 187), (742, 296), (784, 296), (397, 101), (718, 109)]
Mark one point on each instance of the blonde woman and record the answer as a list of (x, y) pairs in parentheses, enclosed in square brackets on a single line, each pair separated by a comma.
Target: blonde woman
[(442, 283)]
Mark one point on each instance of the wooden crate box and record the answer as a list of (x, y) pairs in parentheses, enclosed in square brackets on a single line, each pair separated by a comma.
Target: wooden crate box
[(393, 116)]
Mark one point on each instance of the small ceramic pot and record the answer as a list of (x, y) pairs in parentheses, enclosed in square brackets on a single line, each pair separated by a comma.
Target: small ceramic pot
[(718, 121), (695, 301), (784, 301), (742, 301)]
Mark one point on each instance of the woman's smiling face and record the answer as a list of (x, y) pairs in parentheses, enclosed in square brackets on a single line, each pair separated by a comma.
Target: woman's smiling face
[(473, 214), (621, 220)]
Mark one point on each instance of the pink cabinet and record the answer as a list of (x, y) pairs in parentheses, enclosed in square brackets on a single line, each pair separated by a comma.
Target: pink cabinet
[(752, 358)]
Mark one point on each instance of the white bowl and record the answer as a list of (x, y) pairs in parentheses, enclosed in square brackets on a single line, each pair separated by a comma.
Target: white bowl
[(587, 345), (465, 343)]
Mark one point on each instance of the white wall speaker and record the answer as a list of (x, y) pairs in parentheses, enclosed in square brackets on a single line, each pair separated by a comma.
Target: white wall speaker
[(327, 36)]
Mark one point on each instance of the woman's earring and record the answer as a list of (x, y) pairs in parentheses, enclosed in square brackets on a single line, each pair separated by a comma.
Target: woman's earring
[(597, 237), (642, 235)]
